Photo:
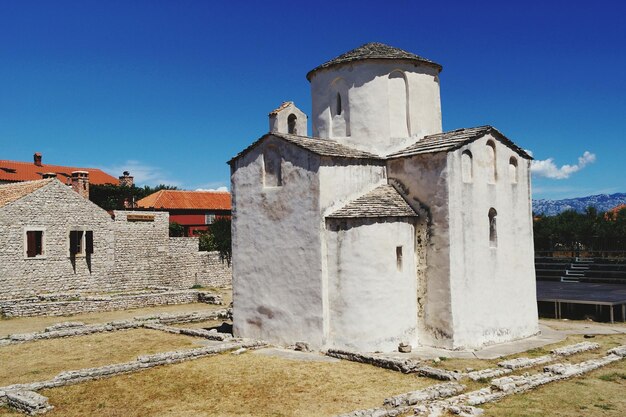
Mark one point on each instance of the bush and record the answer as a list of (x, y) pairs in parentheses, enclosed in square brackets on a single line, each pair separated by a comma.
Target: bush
[(218, 238), (176, 230)]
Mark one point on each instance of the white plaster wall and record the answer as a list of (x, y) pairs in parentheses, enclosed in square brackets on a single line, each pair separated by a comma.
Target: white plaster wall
[(492, 289), (373, 304), (424, 181), (365, 88), (279, 121), (342, 181), (277, 283)]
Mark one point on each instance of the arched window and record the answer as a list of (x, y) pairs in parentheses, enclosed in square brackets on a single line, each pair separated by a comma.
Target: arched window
[(291, 124), (399, 126), (272, 176), (466, 166), (493, 231), (491, 162), (513, 170)]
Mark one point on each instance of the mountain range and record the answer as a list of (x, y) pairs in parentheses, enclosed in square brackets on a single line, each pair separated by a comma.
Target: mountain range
[(602, 202)]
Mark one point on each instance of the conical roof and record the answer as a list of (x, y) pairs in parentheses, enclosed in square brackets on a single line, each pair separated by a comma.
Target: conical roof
[(373, 50)]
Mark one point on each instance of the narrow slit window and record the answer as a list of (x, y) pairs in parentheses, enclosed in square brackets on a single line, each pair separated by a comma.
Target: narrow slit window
[(466, 166), (34, 243), (338, 104), (513, 170), (491, 162), (89, 242), (399, 258), (493, 231)]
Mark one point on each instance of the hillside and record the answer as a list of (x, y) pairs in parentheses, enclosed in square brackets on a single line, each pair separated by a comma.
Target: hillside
[(602, 202)]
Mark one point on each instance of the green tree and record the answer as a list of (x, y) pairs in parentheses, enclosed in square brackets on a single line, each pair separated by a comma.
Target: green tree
[(218, 238), (116, 197), (176, 230)]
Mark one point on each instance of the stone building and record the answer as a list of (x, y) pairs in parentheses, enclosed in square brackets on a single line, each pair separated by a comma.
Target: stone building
[(195, 211), (53, 239), (381, 229)]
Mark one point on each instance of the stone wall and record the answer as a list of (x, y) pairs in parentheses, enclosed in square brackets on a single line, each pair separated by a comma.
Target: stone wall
[(189, 267), (133, 251), (56, 210), (214, 270), (39, 306)]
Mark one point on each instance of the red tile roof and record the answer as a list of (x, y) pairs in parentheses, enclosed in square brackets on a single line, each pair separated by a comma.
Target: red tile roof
[(27, 171), (612, 213), (176, 199)]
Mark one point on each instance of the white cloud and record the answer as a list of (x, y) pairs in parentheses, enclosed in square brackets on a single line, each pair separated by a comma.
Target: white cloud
[(144, 174), (213, 189), (548, 169)]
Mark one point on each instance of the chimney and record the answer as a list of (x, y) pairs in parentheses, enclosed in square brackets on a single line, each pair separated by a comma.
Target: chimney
[(47, 175), (126, 180), (37, 159), (80, 183)]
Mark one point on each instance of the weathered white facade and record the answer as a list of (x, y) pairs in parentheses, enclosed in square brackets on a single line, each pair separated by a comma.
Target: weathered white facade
[(381, 229)]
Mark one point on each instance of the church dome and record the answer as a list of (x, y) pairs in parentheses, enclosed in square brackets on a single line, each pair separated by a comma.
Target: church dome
[(373, 50)]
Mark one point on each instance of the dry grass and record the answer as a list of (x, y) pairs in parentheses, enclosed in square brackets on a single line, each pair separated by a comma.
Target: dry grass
[(33, 324), (37, 361), (599, 393), (228, 385), (258, 385)]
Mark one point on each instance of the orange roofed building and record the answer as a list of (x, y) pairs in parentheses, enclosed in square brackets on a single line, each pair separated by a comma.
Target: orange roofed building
[(14, 171), (611, 215), (194, 210)]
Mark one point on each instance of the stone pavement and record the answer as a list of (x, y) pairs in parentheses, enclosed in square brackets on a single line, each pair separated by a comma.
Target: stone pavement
[(551, 331)]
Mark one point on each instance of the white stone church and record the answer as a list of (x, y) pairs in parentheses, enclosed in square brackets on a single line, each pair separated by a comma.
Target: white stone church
[(381, 229)]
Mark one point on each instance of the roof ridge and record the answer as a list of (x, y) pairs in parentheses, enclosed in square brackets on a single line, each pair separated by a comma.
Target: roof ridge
[(373, 50), (453, 140), (385, 200), (319, 146), (21, 190), (48, 165)]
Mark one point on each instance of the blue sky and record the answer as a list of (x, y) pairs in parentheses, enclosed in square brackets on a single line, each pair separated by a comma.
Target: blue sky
[(171, 90)]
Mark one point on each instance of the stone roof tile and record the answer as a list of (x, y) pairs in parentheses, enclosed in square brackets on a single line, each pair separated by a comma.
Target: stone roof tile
[(452, 140), (13, 192), (383, 201), (373, 50), (323, 147)]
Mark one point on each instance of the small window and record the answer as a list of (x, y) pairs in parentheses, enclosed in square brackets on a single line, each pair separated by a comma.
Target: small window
[(513, 170), (466, 166), (291, 124), (34, 243), (491, 162), (338, 107), (89, 242), (209, 218), (399, 258), (76, 243), (493, 232)]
